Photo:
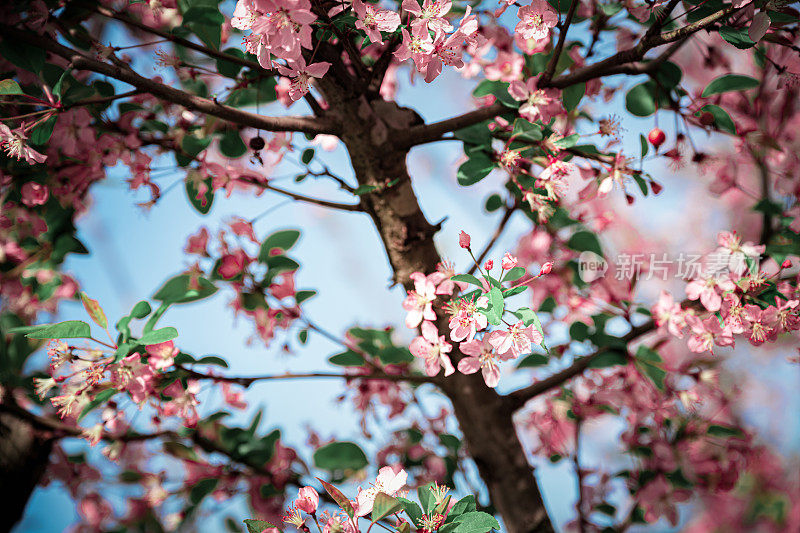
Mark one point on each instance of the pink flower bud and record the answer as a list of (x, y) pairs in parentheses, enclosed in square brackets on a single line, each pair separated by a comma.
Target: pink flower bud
[(786, 264), (307, 500), (509, 261), (488, 265), (546, 268), (34, 194), (464, 239)]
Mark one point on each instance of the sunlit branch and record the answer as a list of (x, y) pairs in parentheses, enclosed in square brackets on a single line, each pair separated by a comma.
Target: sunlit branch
[(170, 94)]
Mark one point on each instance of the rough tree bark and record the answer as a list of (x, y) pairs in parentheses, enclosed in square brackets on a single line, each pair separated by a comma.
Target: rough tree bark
[(369, 128), (24, 453)]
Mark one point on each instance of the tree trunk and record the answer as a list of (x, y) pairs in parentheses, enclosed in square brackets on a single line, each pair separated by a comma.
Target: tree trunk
[(484, 416), (24, 457)]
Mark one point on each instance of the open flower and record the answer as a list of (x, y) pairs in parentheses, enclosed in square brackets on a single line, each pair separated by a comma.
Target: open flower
[(481, 356), (419, 302), (387, 482), (307, 500), (301, 76), (432, 347), (536, 20), (518, 339)]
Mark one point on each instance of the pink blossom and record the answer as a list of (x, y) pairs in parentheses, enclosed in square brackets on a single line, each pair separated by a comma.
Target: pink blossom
[(161, 354), (481, 356), (468, 319), (373, 21), (705, 333), (668, 314), (307, 500), (419, 302), (508, 262), (34, 194), (536, 20), (198, 243), (13, 142), (538, 103), (301, 76), (708, 290), (387, 482), (518, 339), (433, 348), (464, 239), (233, 398), (232, 264), (429, 17)]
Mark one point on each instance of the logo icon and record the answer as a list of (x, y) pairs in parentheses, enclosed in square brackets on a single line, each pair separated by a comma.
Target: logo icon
[(591, 266)]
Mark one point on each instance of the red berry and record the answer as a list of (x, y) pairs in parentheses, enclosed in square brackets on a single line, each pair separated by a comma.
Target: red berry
[(656, 137)]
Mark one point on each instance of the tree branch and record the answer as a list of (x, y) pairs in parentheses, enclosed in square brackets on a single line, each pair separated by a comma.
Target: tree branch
[(562, 36), (519, 398), (169, 94), (497, 232), (608, 65), (216, 54), (246, 381), (433, 132)]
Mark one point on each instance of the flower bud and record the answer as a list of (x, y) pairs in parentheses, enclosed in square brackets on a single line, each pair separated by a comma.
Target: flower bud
[(656, 137), (464, 240)]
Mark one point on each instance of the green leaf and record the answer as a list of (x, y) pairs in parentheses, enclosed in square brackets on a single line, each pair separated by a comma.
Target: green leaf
[(184, 288), (302, 296), (364, 189), (201, 489), (229, 69), (738, 37), (347, 358), (722, 119), (212, 360), (499, 89), (526, 131), (95, 311), (71, 329), (340, 456), (467, 278), (426, 499), (141, 310), (194, 145), (231, 144), (475, 522), (514, 274), (609, 358), (477, 167), (99, 398), (10, 87), (724, 431), (158, 336), (282, 240), (572, 95), (201, 203), (206, 22), (640, 100), (496, 306), (307, 156), (493, 203), (728, 83), (384, 505), (585, 241), (41, 133), (413, 510), (464, 505), (340, 499), (568, 141), (645, 146), (533, 360)]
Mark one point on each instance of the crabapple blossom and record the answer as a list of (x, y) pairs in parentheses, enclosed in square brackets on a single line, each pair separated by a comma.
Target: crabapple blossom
[(536, 20), (419, 302), (388, 481), (307, 500), (432, 349), (481, 356), (516, 340), (539, 104), (508, 262), (302, 75), (373, 21), (467, 319)]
